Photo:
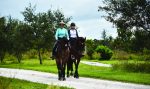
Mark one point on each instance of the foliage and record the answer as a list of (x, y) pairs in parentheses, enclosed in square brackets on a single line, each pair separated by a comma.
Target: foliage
[(90, 48), (146, 54), (133, 67), (132, 19), (121, 55), (43, 26), (141, 40), (11, 83), (56, 87), (106, 40), (35, 32), (3, 39), (105, 52)]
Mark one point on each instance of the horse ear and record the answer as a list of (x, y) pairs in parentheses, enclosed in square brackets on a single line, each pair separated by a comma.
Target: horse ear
[(85, 38)]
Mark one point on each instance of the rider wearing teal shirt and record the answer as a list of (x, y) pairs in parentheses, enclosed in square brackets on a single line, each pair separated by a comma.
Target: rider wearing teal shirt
[(60, 33)]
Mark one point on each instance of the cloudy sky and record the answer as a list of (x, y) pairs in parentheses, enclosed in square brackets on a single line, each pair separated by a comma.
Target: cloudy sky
[(84, 13)]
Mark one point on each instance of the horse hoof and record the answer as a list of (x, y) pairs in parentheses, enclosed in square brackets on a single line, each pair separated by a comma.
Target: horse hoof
[(71, 74), (64, 79), (76, 76), (68, 76), (59, 79)]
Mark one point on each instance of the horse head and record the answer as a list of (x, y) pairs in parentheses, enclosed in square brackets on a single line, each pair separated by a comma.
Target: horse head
[(63, 42), (81, 43)]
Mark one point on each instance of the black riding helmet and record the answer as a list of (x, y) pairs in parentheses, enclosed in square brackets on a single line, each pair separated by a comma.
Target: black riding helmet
[(72, 24)]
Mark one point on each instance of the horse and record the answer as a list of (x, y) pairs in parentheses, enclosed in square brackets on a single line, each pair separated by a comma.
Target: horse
[(62, 55), (76, 52)]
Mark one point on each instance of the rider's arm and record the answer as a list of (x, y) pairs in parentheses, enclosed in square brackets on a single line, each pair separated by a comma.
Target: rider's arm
[(77, 33), (67, 34), (56, 34)]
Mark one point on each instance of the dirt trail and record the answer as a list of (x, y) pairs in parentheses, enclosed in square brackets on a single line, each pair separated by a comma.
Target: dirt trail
[(81, 83)]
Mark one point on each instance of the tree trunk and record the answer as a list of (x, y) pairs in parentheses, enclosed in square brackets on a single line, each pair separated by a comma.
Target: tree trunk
[(2, 57), (39, 53), (19, 57)]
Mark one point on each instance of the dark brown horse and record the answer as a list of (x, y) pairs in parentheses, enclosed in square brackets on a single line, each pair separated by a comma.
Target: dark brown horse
[(62, 55), (76, 52)]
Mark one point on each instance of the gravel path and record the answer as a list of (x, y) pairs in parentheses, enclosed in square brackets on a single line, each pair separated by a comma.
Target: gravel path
[(81, 83), (95, 64)]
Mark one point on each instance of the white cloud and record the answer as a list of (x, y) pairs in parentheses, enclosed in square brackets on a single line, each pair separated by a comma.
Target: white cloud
[(84, 12), (92, 29)]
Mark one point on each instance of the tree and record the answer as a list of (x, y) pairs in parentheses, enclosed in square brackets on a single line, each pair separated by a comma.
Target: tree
[(129, 16), (43, 26), (3, 40), (90, 48), (104, 35), (16, 45), (21, 40), (106, 40)]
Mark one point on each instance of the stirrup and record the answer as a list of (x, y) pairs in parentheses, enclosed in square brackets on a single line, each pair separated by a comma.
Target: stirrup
[(72, 57)]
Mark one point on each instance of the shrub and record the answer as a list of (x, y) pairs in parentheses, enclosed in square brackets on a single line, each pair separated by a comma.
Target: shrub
[(5, 83), (122, 55), (90, 54), (105, 52), (132, 67), (146, 54), (31, 54)]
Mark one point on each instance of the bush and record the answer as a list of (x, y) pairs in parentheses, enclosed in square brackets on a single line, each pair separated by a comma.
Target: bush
[(132, 67), (146, 54), (90, 54), (5, 83), (105, 52), (31, 54), (121, 55)]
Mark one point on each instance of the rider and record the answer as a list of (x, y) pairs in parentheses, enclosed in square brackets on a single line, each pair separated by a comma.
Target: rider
[(73, 35), (60, 33)]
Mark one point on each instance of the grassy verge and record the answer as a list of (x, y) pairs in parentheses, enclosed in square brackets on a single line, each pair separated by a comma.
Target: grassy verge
[(85, 71), (10, 83)]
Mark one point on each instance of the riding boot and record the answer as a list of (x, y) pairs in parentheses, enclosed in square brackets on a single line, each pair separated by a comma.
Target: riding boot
[(53, 55), (54, 52)]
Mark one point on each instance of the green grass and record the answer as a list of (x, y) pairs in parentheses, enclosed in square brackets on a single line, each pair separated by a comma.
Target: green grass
[(11, 83), (84, 70), (117, 61)]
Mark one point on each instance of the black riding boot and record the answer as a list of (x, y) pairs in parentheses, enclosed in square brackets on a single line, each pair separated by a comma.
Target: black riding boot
[(54, 51)]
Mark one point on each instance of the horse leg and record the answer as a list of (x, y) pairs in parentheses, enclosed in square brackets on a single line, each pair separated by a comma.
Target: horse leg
[(67, 69), (76, 75), (68, 66), (59, 69), (63, 74), (71, 68)]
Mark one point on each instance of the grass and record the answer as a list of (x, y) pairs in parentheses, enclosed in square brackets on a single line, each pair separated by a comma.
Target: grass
[(136, 66), (8, 83), (11, 83), (84, 71)]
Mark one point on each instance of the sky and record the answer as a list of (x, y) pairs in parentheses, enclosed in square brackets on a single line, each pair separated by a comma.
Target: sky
[(83, 12)]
